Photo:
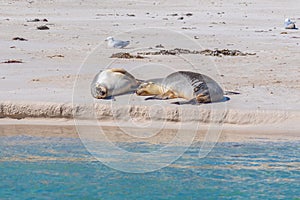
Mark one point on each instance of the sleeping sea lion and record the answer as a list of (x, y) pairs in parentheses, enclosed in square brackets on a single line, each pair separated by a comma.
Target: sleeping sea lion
[(194, 87), (112, 82)]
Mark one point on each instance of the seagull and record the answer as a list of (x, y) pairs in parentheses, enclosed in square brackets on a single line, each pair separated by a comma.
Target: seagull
[(288, 24), (111, 42)]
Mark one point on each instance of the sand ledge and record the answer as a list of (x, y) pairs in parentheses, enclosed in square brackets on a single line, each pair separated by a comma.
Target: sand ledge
[(22, 110)]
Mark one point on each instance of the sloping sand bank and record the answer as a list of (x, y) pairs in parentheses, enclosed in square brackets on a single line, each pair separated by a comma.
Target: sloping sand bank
[(57, 120)]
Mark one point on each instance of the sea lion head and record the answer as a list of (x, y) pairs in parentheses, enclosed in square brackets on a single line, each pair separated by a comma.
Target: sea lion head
[(99, 91), (147, 89)]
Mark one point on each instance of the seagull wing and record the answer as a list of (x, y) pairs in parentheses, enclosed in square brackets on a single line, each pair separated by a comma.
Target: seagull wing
[(120, 43)]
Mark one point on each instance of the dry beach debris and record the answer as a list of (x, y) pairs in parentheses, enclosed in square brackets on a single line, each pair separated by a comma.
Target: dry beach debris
[(56, 56), (207, 52), (126, 56), (225, 52)]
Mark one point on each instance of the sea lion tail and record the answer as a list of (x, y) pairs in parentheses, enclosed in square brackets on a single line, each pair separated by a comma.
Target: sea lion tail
[(231, 93)]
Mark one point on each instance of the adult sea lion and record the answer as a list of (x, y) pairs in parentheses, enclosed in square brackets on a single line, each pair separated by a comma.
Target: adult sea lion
[(194, 87), (112, 82)]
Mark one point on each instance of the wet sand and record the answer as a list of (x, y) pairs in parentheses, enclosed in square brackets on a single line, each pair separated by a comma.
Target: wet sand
[(121, 132)]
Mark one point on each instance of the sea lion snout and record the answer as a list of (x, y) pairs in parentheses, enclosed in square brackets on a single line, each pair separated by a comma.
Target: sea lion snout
[(142, 90), (147, 89), (100, 92)]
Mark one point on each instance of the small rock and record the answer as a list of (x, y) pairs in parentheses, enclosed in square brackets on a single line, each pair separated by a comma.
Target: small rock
[(196, 37), (180, 18), (19, 38), (131, 15), (12, 61), (189, 14), (37, 20), (44, 27), (159, 46)]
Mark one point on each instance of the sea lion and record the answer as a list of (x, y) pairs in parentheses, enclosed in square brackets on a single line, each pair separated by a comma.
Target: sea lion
[(196, 88), (112, 82), (112, 43)]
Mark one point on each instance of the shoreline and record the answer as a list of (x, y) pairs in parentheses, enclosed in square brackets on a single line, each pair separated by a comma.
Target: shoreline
[(117, 131), (139, 123)]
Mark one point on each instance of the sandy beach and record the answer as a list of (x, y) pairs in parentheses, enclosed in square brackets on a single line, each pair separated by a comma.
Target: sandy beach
[(58, 142), (51, 81)]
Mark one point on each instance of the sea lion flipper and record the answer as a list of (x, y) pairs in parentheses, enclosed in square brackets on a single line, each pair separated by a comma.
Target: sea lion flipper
[(122, 71), (203, 98), (231, 93), (192, 102), (156, 97), (167, 95)]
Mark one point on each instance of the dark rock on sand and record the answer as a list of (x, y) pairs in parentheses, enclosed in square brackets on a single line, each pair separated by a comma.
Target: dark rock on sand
[(12, 61), (19, 38), (37, 20), (44, 27)]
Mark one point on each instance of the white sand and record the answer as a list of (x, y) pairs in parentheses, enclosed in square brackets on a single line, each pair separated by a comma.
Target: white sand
[(42, 86)]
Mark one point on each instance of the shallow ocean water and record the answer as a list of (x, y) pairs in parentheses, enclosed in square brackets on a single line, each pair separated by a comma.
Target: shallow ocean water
[(61, 168)]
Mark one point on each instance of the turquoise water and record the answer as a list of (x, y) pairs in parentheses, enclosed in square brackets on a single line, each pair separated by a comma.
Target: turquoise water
[(61, 168)]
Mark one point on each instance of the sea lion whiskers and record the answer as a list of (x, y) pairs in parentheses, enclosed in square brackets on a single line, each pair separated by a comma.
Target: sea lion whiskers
[(100, 91)]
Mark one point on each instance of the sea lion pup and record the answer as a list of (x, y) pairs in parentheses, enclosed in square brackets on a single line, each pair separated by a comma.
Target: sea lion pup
[(112, 82), (196, 88)]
